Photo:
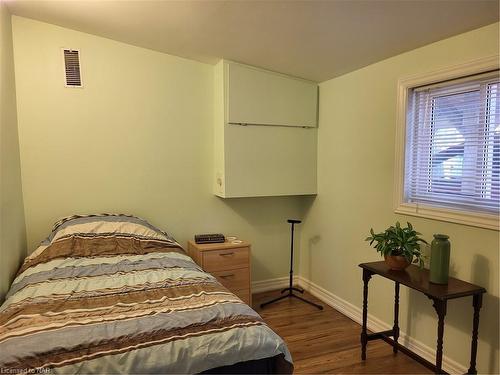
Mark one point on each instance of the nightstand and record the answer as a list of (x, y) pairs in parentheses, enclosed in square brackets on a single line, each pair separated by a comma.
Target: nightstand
[(228, 262)]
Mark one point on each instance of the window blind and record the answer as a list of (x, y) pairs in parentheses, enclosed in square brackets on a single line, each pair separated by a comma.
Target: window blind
[(452, 156)]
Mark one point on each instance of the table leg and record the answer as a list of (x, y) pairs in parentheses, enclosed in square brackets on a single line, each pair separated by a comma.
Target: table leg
[(477, 302), (395, 328), (440, 307), (364, 335)]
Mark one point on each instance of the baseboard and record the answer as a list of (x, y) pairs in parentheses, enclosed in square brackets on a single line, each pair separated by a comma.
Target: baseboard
[(272, 284), (355, 313)]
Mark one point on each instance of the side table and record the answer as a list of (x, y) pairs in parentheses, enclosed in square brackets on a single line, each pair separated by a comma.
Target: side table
[(415, 278)]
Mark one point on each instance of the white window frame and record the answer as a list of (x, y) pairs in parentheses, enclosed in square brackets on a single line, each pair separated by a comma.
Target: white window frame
[(405, 85)]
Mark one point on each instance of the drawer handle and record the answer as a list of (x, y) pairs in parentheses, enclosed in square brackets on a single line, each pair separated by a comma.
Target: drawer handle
[(226, 254), (224, 276)]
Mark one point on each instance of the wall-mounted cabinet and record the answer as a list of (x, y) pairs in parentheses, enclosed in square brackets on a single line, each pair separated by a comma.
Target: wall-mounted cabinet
[(265, 133), (259, 97)]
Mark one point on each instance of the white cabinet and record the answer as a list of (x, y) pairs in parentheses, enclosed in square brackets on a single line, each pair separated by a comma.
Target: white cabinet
[(275, 152), (259, 97)]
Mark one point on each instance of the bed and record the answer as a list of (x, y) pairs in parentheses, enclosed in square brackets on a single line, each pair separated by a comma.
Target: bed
[(114, 294)]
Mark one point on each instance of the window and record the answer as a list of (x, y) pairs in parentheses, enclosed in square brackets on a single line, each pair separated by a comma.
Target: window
[(451, 159)]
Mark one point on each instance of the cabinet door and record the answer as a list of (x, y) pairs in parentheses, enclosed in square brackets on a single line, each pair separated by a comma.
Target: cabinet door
[(269, 161), (265, 98)]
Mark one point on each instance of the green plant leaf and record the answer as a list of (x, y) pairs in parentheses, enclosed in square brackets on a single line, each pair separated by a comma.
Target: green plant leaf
[(396, 240)]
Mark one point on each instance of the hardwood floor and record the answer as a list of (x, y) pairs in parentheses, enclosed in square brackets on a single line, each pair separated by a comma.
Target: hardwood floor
[(328, 342)]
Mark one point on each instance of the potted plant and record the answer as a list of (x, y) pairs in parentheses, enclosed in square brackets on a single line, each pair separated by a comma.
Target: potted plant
[(399, 246)]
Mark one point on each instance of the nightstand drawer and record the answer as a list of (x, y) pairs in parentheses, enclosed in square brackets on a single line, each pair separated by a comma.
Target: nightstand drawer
[(224, 260), (234, 279), (244, 295)]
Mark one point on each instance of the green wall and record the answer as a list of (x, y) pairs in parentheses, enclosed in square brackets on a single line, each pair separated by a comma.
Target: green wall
[(356, 150), (138, 138), (12, 229)]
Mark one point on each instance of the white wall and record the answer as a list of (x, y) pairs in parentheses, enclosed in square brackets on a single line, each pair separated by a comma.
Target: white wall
[(356, 138), (138, 138), (12, 228)]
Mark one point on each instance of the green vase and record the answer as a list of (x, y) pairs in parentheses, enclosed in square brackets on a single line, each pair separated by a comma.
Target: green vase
[(440, 259)]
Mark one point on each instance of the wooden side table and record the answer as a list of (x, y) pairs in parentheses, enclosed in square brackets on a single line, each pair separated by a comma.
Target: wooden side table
[(415, 278), (228, 262)]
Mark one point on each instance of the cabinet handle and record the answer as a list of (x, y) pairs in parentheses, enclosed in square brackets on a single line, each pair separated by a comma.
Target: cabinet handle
[(224, 276), (226, 254)]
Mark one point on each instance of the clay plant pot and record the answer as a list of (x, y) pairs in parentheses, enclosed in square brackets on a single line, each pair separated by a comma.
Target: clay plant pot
[(396, 262)]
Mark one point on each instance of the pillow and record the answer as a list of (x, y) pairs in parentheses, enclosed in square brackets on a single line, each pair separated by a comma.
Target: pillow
[(100, 224), (97, 224)]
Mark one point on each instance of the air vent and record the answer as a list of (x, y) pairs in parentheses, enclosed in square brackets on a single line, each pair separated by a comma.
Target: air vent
[(72, 68)]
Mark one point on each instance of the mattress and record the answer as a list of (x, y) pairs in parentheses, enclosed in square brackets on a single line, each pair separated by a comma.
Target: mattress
[(114, 294)]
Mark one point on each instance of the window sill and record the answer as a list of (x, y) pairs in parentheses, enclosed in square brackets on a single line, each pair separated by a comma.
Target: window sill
[(475, 219)]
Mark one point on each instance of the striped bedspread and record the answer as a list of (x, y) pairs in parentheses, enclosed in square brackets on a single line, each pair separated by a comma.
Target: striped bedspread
[(113, 294)]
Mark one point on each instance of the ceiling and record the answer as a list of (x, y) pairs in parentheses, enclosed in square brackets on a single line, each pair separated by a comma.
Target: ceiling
[(316, 40)]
